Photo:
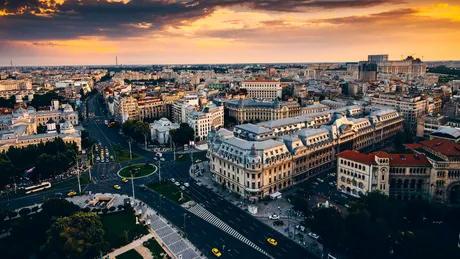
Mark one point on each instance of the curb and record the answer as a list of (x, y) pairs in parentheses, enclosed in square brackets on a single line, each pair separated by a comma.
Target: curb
[(140, 177)]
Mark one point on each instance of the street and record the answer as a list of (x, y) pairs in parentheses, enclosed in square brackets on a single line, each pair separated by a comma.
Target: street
[(200, 232)]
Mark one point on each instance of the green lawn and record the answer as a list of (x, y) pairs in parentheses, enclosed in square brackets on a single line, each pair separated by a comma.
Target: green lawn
[(155, 248), (122, 155), (169, 190), (142, 170), (120, 228), (131, 254)]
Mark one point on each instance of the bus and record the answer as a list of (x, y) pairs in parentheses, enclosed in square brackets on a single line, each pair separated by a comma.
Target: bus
[(38, 187)]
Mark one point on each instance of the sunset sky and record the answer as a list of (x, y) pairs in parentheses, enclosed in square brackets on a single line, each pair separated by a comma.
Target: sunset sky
[(79, 32)]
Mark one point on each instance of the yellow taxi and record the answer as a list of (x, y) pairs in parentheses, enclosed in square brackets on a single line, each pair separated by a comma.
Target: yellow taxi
[(72, 193), (216, 252), (124, 180), (272, 241), (116, 186), (198, 160)]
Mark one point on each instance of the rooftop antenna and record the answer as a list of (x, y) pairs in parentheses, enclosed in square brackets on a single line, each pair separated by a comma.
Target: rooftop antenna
[(11, 63), (116, 61)]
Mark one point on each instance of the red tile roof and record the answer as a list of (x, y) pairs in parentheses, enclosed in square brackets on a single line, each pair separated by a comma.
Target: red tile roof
[(395, 159), (443, 146), (357, 157), (413, 146), (409, 159)]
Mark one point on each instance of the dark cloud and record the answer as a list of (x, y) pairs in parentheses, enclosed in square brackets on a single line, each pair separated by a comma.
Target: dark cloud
[(388, 16), (46, 44), (38, 20)]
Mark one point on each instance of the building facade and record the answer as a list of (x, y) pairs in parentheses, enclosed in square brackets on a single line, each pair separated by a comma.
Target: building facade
[(411, 108), (202, 121), (402, 176), (262, 89), (20, 129), (125, 108), (257, 168), (431, 172), (159, 130)]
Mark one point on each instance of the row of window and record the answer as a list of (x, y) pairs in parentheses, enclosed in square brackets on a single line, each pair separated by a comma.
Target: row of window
[(352, 164)]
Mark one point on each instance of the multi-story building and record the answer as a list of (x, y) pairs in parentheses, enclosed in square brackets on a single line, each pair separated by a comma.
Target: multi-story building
[(56, 114), (444, 155), (13, 85), (431, 172), (271, 162), (409, 65), (402, 176), (20, 129), (153, 108), (250, 110), (262, 89), (202, 121), (125, 108), (411, 108), (367, 71), (159, 130), (428, 124)]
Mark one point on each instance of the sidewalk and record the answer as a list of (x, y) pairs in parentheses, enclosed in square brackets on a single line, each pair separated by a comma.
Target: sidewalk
[(129, 246)]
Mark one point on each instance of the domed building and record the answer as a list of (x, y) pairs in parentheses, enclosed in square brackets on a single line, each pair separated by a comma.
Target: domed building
[(20, 128)]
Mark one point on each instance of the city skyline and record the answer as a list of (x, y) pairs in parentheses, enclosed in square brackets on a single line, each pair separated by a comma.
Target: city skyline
[(222, 32)]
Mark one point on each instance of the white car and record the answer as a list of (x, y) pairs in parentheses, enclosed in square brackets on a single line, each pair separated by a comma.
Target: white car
[(320, 180), (313, 235), (186, 185), (177, 183), (173, 180), (182, 188), (198, 183), (274, 216)]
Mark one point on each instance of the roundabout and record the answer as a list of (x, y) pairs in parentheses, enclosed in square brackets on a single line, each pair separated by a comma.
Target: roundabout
[(137, 170)]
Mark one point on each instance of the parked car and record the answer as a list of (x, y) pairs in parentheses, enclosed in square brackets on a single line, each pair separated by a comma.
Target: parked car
[(173, 180), (182, 188), (177, 183), (320, 180), (186, 185), (274, 216)]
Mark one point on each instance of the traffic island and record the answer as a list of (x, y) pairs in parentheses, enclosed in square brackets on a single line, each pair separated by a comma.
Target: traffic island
[(137, 170), (169, 190)]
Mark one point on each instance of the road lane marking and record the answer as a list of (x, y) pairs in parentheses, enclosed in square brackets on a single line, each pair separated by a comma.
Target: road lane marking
[(203, 232), (284, 250), (231, 221), (238, 219), (222, 239), (226, 211), (251, 228), (236, 251)]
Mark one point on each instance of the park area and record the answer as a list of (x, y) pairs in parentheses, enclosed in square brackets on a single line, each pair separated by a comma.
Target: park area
[(131, 254), (169, 191), (122, 155), (120, 228), (138, 170)]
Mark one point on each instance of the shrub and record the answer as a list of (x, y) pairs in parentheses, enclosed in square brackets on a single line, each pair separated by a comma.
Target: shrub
[(112, 209), (35, 209), (24, 211), (105, 210), (12, 214), (86, 209)]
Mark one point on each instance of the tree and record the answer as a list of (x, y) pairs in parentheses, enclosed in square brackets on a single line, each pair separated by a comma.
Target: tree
[(137, 130), (78, 236), (182, 135), (328, 224), (58, 208)]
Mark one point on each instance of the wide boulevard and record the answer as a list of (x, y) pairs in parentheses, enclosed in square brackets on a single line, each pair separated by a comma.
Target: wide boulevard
[(202, 234)]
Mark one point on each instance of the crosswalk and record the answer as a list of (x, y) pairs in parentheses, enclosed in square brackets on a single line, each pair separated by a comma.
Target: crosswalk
[(203, 213)]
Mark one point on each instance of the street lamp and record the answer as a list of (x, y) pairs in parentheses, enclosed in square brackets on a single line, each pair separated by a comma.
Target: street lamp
[(132, 181), (158, 157), (130, 153)]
